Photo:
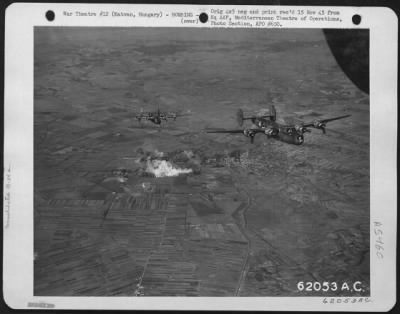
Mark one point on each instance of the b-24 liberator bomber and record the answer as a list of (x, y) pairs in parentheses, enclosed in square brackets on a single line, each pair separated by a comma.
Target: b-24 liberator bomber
[(157, 116), (267, 124)]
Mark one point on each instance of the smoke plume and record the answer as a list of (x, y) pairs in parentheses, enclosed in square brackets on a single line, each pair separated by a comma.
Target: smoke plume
[(163, 168)]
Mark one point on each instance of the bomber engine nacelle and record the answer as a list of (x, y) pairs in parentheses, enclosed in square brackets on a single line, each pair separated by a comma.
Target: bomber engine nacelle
[(171, 115), (261, 123), (271, 132), (319, 125), (301, 129), (249, 133)]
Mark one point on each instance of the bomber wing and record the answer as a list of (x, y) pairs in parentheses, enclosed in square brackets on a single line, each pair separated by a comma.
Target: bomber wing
[(321, 123), (326, 120), (223, 131), (145, 113), (172, 114), (247, 132)]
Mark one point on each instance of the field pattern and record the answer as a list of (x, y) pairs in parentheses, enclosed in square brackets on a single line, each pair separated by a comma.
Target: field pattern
[(250, 220)]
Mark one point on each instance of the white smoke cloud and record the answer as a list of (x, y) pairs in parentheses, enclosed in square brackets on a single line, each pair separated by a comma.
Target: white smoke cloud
[(163, 168)]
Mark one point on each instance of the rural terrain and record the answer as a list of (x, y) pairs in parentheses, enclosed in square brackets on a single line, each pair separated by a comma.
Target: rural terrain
[(124, 208)]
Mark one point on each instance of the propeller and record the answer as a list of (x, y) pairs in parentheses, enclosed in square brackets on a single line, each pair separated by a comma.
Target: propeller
[(271, 132), (250, 133), (302, 129), (320, 125)]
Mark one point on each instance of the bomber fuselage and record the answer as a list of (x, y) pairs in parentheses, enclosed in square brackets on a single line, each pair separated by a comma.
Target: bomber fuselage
[(281, 132)]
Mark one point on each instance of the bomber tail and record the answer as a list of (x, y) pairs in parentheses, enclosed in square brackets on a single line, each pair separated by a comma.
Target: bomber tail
[(272, 112), (240, 117)]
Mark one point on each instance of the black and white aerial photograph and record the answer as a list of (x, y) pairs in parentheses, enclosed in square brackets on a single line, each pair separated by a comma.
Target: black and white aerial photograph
[(201, 162)]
